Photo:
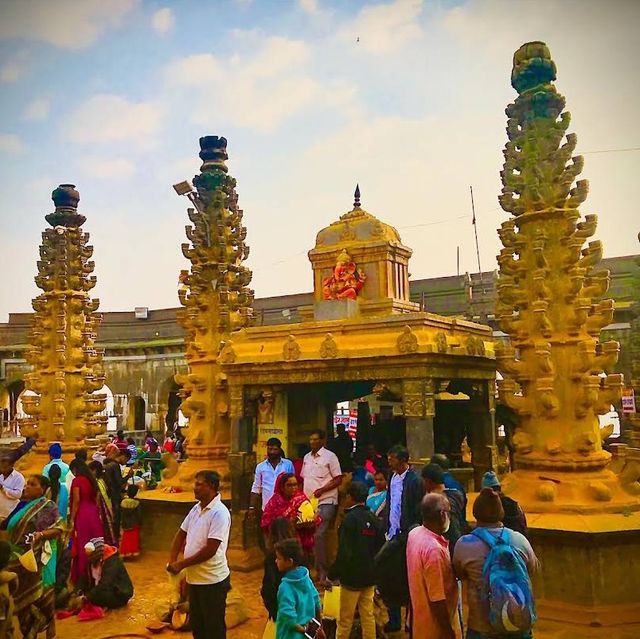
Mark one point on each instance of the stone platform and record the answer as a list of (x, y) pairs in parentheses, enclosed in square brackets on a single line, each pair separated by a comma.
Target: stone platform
[(162, 514)]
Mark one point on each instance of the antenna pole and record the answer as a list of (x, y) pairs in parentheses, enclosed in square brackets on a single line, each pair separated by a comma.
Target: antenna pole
[(475, 229)]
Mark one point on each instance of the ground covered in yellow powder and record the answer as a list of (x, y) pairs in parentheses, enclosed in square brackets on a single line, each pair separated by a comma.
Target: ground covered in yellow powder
[(151, 587)]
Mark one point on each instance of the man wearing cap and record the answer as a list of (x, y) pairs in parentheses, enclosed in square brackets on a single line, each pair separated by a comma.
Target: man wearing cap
[(55, 455), (11, 484), (107, 582), (267, 472), (469, 557), (202, 539), (514, 516)]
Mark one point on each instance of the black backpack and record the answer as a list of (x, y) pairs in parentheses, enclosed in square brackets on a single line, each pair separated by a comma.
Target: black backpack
[(458, 525)]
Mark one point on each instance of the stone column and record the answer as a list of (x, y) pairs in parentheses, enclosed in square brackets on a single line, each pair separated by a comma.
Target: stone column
[(482, 417), (419, 409)]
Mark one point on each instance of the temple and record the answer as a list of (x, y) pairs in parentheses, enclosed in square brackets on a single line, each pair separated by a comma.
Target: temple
[(238, 371)]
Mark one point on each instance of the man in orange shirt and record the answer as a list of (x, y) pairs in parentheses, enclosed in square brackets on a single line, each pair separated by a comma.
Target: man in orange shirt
[(432, 585)]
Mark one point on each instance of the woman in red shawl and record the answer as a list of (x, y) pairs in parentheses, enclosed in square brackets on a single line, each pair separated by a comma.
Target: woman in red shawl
[(287, 501)]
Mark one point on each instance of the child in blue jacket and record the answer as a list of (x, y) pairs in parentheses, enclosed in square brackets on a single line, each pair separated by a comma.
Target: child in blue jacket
[(298, 600)]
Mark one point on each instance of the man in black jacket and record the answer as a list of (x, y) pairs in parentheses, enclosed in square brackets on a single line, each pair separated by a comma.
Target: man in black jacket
[(116, 482), (359, 539), (403, 512)]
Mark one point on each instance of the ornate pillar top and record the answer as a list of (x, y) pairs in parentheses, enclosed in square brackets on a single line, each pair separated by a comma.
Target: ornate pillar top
[(66, 199)]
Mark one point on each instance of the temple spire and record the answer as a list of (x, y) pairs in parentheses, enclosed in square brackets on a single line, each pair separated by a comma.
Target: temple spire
[(356, 197)]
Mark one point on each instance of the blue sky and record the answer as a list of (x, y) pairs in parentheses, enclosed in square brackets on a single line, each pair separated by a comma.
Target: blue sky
[(405, 97)]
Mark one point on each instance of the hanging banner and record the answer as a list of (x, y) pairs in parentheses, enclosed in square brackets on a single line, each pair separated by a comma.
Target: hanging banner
[(628, 401)]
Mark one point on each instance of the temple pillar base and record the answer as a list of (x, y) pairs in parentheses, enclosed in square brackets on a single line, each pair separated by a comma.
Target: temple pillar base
[(180, 476), (589, 575), (38, 457), (585, 492), (244, 553)]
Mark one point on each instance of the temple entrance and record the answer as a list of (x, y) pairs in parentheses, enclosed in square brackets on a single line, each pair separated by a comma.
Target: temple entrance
[(314, 406)]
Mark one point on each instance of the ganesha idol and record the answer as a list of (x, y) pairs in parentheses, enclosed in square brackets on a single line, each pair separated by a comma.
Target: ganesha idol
[(345, 282)]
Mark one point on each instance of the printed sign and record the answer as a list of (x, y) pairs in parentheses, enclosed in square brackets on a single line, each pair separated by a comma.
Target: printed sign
[(628, 401)]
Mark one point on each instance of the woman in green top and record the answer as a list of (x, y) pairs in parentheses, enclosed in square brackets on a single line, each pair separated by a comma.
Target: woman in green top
[(35, 524)]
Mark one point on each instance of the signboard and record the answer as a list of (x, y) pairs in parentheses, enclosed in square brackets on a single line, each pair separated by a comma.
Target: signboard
[(628, 401)]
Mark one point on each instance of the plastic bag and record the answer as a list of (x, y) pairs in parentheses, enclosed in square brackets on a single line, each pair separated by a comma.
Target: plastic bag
[(331, 603), (269, 630)]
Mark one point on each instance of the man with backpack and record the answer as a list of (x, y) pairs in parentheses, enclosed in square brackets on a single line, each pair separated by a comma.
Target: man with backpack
[(433, 480), (494, 564), (359, 539), (514, 516)]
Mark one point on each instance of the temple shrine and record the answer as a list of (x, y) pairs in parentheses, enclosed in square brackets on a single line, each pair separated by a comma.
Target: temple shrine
[(419, 378)]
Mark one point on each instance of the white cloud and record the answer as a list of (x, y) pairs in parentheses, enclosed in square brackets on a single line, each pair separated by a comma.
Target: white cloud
[(15, 67), (309, 6), (196, 70), (64, 23), (163, 20), (383, 28), (11, 71), (38, 109), (108, 168), (257, 91), (11, 143), (112, 118)]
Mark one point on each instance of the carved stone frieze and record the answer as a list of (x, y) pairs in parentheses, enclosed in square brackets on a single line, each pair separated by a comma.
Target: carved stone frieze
[(328, 348), (441, 342), (236, 401), (228, 354), (291, 349), (407, 342)]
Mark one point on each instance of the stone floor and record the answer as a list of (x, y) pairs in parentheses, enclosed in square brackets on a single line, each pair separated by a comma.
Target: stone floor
[(151, 585)]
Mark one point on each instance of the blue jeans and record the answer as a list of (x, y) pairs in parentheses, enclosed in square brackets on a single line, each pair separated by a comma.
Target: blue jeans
[(473, 634), (328, 513)]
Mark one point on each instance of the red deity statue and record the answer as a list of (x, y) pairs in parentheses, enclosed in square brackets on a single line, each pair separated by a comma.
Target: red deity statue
[(345, 282)]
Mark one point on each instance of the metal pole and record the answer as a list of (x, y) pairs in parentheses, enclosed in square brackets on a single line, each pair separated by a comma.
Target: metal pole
[(475, 229)]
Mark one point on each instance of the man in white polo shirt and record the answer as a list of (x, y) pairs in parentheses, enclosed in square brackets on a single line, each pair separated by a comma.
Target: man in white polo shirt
[(203, 538), (322, 475)]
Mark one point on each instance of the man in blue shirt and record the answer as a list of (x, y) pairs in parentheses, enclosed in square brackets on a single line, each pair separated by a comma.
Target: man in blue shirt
[(55, 455), (266, 474)]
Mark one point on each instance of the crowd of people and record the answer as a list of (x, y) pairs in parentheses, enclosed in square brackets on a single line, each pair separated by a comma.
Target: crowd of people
[(404, 541), (404, 544), (65, 532)]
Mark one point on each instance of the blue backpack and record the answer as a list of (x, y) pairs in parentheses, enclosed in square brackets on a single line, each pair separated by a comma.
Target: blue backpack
[(506, 585)]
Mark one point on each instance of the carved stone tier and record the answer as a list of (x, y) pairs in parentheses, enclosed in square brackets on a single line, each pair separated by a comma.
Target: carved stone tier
[(66, 366), (217, 302), (557, 376)]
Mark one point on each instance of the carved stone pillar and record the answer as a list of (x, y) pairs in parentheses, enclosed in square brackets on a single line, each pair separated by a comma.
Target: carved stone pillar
[(482, 416), (244, 550), (418, 403)]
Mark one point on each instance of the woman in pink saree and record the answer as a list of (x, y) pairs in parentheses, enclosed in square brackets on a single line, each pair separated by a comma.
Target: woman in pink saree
[(84, 520), (290, 502)]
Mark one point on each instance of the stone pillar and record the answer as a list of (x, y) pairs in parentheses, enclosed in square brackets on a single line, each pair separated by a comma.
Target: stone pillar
[(482, 418), (419, 409), (244, 551)]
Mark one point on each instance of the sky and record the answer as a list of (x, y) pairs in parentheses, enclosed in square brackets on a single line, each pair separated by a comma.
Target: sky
[(404, 97)]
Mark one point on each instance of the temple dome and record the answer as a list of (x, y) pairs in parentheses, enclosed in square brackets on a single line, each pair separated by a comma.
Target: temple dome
[(357, 226)]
